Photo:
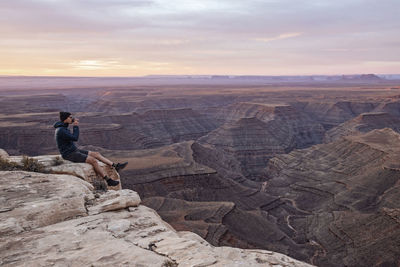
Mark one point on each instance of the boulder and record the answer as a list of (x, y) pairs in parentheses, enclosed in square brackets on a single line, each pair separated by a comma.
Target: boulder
[(56, 165), (3, 154), (115, 200), (31, 200)]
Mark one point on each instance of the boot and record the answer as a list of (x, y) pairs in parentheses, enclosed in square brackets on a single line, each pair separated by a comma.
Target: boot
[(119, 166), (110, 182)]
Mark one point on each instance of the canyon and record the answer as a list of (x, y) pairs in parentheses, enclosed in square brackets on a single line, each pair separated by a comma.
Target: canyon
[(60, 217), (307, 168)]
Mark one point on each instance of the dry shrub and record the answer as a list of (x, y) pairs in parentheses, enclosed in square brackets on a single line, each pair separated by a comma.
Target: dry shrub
[(32, 165), (169, 263), (58, 161), (6, 165)]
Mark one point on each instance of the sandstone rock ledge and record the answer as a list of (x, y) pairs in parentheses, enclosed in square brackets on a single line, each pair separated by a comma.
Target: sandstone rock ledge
[(56, 165), (59, 220)]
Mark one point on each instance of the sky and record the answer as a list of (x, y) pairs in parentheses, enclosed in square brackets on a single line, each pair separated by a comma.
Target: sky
[(175, 37)]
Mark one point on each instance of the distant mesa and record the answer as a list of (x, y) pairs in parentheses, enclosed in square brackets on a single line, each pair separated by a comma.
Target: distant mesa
[(253, 133), (247, 132), (261, 111), (362, 77), (363, 123), (331, 114)]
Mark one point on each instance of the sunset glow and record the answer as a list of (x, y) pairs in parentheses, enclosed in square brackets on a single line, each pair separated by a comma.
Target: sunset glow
[(144, 37)]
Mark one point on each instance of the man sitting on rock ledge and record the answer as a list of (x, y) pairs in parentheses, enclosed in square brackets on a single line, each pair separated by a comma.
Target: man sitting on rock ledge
[(65, 143)]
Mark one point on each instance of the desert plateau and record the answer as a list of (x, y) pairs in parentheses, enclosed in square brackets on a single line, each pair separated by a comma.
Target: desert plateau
[(306, 166)]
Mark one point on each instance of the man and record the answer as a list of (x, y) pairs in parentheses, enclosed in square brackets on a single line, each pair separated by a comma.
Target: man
[(65, 143)]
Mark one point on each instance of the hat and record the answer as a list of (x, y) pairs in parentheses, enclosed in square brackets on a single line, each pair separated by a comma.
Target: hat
[(64, 115)]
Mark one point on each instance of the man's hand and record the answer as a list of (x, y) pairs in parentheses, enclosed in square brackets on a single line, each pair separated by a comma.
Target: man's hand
[(76, 122)]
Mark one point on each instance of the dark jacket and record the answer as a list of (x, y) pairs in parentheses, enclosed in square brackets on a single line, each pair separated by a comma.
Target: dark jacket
[(65, 140)]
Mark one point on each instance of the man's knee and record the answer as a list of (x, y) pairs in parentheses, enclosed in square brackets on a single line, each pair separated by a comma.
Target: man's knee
[(94, 154), (90, 160)]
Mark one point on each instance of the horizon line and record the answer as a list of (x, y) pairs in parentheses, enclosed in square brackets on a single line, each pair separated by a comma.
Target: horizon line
[(190, 75)]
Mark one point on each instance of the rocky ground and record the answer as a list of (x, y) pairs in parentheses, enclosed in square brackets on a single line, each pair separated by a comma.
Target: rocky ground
[(49, 219)]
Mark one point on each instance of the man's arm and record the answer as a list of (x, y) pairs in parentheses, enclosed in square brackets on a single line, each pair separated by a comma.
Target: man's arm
[(68, 136)]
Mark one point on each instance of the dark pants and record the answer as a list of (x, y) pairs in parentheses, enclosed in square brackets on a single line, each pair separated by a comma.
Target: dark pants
[(78, 156)]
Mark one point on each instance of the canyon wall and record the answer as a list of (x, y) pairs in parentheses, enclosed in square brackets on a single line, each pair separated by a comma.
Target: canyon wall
[(60, 219)]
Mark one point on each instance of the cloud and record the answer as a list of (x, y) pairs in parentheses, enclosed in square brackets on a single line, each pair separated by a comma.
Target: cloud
[(107, 36), (95, 64), (280, 37)]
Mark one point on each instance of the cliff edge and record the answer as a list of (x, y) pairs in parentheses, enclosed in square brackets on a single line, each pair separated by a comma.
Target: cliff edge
[(61, 218)]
